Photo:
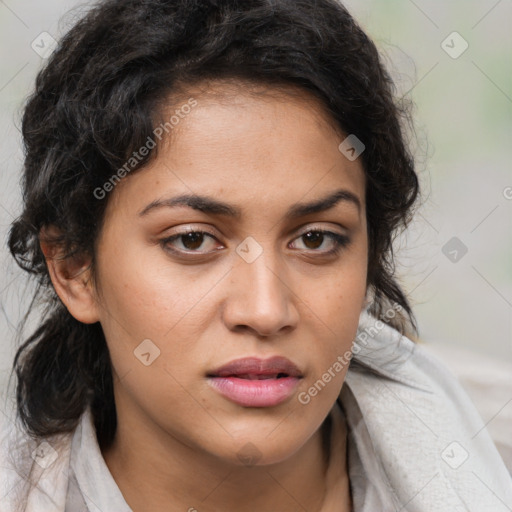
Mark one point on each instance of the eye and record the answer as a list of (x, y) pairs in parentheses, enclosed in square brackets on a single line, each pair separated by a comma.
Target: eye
[(202, 242), (315, 238), (190, 241)]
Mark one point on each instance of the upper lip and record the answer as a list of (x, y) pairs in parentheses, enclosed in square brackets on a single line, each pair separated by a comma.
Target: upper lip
[(257, 366)]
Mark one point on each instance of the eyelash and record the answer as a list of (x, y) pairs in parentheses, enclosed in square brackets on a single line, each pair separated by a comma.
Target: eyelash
[(340, 241)]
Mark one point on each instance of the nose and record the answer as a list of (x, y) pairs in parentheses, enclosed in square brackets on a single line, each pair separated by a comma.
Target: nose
[(260, 298)]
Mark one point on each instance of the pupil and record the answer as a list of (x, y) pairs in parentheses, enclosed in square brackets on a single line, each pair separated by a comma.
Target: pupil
[(314, 236), (194, 238)]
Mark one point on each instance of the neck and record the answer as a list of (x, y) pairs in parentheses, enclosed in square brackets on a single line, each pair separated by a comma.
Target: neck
[(167, 475)]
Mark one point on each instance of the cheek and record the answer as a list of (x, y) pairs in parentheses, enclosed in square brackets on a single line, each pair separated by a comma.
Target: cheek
[(340, 298), (148, 318), (144, 297), (339, 327), (335, 311), (143, 292)]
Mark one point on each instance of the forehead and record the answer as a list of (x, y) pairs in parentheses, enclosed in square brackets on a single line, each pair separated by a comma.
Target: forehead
[(246, 143), (238, 108)]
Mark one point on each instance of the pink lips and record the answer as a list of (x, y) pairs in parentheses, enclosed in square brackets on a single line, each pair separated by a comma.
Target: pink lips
[(253, 382)]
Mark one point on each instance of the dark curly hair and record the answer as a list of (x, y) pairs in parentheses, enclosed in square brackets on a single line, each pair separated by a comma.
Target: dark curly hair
[(97, 100)]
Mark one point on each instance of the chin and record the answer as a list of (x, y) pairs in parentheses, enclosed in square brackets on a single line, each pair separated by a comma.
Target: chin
[(258, 450)]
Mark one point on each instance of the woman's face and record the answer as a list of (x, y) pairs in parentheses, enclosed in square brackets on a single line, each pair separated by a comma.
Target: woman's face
[(257, 280)]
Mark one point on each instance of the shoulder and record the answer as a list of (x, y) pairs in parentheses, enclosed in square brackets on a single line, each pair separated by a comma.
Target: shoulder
[(421, 423), (33, 472)]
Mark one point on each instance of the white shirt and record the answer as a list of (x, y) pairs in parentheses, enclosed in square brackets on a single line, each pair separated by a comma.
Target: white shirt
[(415, 443)]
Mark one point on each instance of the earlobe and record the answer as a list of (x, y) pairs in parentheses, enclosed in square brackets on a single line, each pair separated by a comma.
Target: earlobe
[(71, 277)]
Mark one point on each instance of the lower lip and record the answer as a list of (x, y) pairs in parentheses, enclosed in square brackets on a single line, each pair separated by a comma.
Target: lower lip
[(255, 393)]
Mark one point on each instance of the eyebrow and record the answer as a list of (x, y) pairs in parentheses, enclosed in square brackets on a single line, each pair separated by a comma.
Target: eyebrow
[(212, 206)]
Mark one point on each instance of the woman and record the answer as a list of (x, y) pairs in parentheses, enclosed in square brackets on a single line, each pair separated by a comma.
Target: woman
[(211, 192)]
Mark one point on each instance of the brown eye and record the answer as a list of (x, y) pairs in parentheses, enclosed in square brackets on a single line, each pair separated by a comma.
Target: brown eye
[(314, 239), (191, 241)]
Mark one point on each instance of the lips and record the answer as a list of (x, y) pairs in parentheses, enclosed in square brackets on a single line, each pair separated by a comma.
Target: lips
[(252, 367), (253, 382)]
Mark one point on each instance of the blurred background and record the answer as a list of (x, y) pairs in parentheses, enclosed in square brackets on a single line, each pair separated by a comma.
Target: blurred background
[(453, 60)]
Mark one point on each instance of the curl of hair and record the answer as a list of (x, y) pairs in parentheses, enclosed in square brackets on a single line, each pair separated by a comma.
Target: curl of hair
[(96, 102)]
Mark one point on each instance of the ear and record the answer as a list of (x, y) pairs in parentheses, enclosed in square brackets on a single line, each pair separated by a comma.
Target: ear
[(71, 277)]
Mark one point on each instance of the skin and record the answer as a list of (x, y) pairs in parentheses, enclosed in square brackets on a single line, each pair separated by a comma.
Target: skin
[(178, 442)]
